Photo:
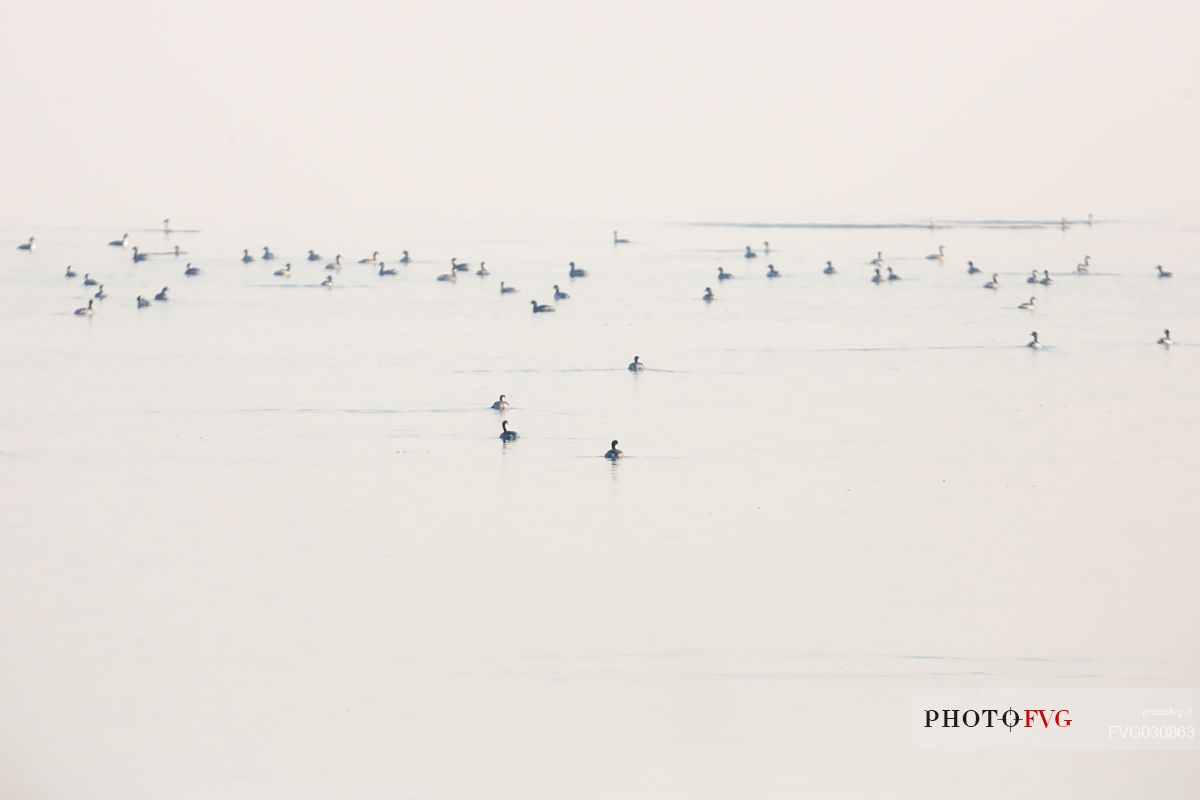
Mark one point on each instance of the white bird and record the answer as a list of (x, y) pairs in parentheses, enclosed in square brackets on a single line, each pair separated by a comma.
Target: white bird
[(246, 257), (122, 242), (708, 295), (1166, 340), (637, 365), (576, 272), (939, 255), (142, 302), (1030, 305), (29, 246), (507, 289), (829, 270), (618, 240), (613, 453), (994, 283), (190, 270), (1162, 273), (1034, 343), (500, 405), (559, 294), (722, 275), (540, 308), (505, 434), (86, 311), (284, 272), (772, 272), (161, 295)]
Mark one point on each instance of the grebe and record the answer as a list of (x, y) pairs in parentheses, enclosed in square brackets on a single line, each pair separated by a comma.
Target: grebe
[(994, 283), (142, 302), (246, 257), (336, 265), (613, 453), (451, 276), (386, 270), (618, 240), (313, 255), (939, 255), (1083, 266), (878, 259), (505, 434), (507, 289), (1034, 343), (1030, 305), (750, 252), (86, 311), (766, 247), (708, 295), (139, 256), (1046, 279), (483, 270), (459, 266), (122, 242), (972, 269), (829, 270), (500, 405), (328, 282), (722, 275), (559, 294), (540, 308), (1162, 273), (70, 272), (100, 293), (576, 272), (1033, 278), (772, 272), (637, 365), (267, 254), (404, 257), (190, 270), (372, 260), (29, 246), (892, 276), (88, 280), (285, 271), (1166, 340), (877, 277), (161, 295)]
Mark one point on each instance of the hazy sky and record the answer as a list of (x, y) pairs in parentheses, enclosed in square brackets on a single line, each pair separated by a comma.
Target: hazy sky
[(124, 112)]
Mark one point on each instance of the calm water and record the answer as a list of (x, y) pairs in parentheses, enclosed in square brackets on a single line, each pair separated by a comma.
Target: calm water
[(263, 541)]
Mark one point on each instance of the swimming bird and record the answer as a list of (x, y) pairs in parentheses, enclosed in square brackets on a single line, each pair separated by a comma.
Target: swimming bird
[(161, 295), (613, 453), (386, 270), (1033, 278), (86, 311), (404, 257), (167, 225), (505, 434), (892, 276), (460, 266), (708, 295), (766, 247), (772, 272), (972, 269), (1162, 273), (139, 256), (70, 272), (939, 255), (1030, 305), (994, 283), (313, 255), (190, 270), (88, 280), (1046, 279), (722, 275), (1166, 340), (451, 276), (576, 272), (877, 277), (750, 252), (142, 302), (122, 242), (267, 254), (878, 259), (1034, 343), (328, 282), (500, 405), (100, 293), (829, 270), (336, 264), (1082, 267), (373, 259), (483, 270), (618, 240), (559, 294), (507, 289), (637, 365), (29, 246), (540, 308), (284, 272), (246, 257), (178, 252)]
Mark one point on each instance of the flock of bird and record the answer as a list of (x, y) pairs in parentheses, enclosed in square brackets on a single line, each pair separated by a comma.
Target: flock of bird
[(637, 365)]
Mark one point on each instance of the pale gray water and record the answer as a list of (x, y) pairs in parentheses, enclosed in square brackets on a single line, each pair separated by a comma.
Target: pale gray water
[(263, 541)]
